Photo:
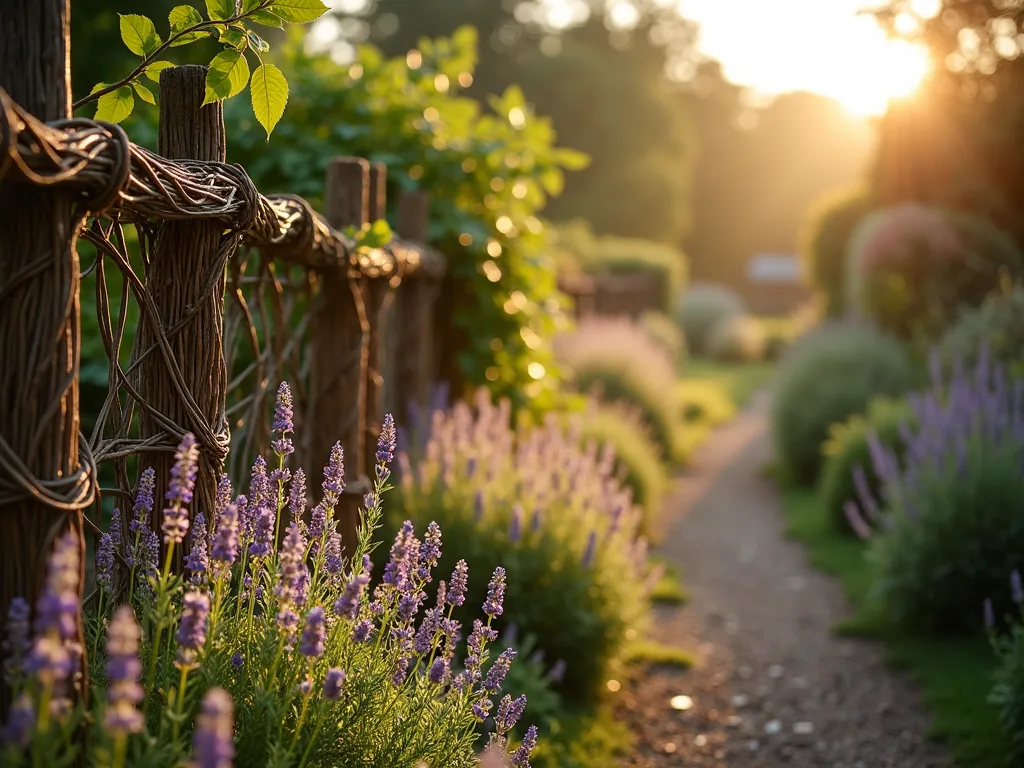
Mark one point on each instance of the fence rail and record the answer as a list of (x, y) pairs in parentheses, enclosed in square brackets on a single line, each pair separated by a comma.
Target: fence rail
[(218, 294)]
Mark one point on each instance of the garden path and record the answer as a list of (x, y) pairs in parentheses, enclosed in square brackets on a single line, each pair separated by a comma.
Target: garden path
[(772, 685)]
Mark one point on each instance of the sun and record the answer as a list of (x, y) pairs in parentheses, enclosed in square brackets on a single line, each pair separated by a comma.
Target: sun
[(890, 70)]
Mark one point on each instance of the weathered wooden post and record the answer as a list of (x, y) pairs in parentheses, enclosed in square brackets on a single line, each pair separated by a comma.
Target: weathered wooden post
[(42, 486), (379, 298), (339, 347), (186, 383), (415, 362)]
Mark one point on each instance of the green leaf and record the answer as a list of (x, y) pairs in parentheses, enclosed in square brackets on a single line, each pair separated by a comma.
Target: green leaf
[(182, 17), (220, 9), (298, 11), (250, 5), (139, 34), (571, 159), (257, 43), (153, 70), (269, 95), (115, 106), (229, 72), (234, 37), (144, 93), (266, 19)]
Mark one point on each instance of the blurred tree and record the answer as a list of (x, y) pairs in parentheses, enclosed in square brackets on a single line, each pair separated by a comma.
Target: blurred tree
[(956, 144), (599, 71)]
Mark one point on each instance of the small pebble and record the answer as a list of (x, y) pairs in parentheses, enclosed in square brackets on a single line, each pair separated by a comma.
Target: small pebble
[(803, 728), (681, 702), (772, 727), (670, 747), (700, 740)]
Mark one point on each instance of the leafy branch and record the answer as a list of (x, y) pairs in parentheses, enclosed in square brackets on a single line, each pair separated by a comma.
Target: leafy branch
[(229, 71)]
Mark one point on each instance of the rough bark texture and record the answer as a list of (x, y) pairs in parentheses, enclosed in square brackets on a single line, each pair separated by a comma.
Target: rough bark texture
[(340, 348), (186, 281), (39, 316)]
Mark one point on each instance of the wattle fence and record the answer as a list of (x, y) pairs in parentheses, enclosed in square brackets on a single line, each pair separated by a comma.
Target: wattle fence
[(230, 292)]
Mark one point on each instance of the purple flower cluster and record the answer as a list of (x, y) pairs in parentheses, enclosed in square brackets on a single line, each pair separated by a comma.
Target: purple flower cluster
[(224, 551), (192, 629), (334, 682), (213, 739), (292, 579), (347, 605), (180, 488), (198, 560), (259, 502), (55, 654), (284, 420), (312, 645), (493, 606), (123, 670), (105, 561), (386, 441), (17, 642)]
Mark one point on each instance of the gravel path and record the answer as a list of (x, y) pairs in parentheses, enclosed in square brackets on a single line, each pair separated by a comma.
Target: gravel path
[(772, 686)]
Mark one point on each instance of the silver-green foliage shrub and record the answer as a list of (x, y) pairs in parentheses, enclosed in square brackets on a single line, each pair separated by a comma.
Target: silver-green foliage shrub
[(833, 373), (701, 309), (737, 339), (997, 325)]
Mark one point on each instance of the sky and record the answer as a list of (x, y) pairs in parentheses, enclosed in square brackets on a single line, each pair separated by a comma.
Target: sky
[(816, 45)]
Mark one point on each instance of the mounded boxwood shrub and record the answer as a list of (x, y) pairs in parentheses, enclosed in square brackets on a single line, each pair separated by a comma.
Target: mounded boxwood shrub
[(613, 359), (954, 508), (554, 516), (996, 326), (832, 373), (912, 268), (701, 309), (824, 241), (848, 450), (636, 458), (665, 334), (737, 339)]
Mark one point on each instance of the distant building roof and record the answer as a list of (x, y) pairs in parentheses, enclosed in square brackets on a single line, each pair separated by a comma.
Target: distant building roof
[(774, 268)]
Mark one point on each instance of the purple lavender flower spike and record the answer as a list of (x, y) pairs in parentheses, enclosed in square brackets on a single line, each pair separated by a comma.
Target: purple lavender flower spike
[(21, 722), (123, 670), (284, 421), (292, 576), (192, 630), (144, 500), (237, 661), (535, 520), (198, 561), (521, 757), (990, 614), (318, 521), (482, 709), (115, 528), (332, 553), (498, 671), (401, 671), (588, 553), (223, 494), (439, 671), (1016, 588), (180, 488), (362, 631), (856, 520), (386, 441), (297, 495), (347, 605), (557, 672), (509, 712), (334, 682), (213, 739), (334, 472), (515, 527), (225, 541), (263, 533), (312, 645), (16, 643), (59, 604), (478, 505), (105, 561), (458, 583), (430, 551)]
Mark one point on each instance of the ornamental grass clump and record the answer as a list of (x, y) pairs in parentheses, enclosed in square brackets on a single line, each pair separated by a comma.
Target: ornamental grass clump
[(554, 516), (259, 654), (951, 513), (616, 360)]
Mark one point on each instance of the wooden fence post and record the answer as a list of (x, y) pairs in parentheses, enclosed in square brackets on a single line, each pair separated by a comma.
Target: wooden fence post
[(42, 487), (186, 385), (379, 298), (415, 363), (339, 348)]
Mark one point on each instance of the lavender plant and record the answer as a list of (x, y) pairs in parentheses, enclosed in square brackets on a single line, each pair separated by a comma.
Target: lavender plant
[(951, 515), (554, 515), (1007, 693), (259, 654)]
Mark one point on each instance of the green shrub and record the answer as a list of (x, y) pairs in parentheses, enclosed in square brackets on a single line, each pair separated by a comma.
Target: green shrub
[(997, 326), (737, 339), (848, 450), (824, 241), (637, 459), (775, 346), (701, 309), (912, 268), (954, 507), (666, 334), (704, 401), (616, 361), (554, 517), (1008, 688), (833, 373)]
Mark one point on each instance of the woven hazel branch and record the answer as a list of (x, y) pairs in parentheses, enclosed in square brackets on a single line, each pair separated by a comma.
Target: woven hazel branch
[(111, 174)]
